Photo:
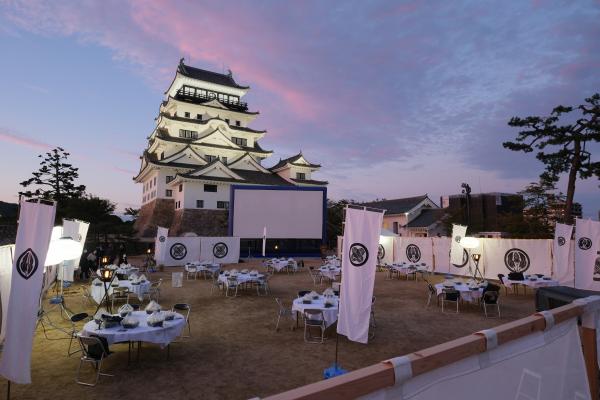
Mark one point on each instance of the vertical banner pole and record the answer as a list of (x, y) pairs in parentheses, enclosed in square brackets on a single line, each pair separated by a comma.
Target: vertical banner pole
[(590, 355)]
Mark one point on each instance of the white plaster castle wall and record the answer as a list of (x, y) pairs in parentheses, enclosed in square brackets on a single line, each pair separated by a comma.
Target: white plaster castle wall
[(195, 191)]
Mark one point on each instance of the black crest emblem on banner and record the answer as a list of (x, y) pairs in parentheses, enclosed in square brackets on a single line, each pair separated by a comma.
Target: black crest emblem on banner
[(561, 241), (413, 253), (220, 250), (27, 264), (162, 239), (358, 254), (178, 251), (465, 259), (516, 260), (585, 243), (380, 252)]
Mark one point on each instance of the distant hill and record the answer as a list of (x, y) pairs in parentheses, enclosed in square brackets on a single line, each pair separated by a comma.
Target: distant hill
[(8, 210)]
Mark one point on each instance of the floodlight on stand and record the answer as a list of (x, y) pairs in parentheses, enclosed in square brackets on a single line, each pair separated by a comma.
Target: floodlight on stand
[(63, 249), (148, 251), (469, 242), (104, 260)]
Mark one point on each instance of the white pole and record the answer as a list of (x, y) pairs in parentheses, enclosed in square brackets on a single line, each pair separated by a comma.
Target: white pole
[(264, 243)]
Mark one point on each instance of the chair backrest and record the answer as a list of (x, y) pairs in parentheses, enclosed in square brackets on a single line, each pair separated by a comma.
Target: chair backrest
[(491, 297), (92, 347), (501, 278), (232, 280), (79, 317), (431, 288), (280, 304), (516, 276), (451, 294), (311, 313), (303, 292), (181, 307)]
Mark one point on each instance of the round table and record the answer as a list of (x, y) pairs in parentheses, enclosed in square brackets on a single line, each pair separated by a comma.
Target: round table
[(329, 313), (466, 293), (142, 333), (241, 278), (278, 265), (139, 290), (330, 272)]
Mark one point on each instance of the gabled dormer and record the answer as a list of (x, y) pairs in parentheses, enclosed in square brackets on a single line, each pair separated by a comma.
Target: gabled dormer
[(215, 169), (217, 138), (247, 162), (187, 155), (296, 169)]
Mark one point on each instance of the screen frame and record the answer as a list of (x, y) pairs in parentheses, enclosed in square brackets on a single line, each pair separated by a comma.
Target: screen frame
[(290, 188)]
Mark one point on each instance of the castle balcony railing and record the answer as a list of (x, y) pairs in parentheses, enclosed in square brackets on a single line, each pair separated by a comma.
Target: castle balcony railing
[(196, 97)]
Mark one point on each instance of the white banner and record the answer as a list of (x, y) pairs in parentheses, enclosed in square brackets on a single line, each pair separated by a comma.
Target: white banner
[(441, 254), (385, 255), (413, 250), (562, 270), (456, 250), (220, 250), (502, 256), (76, 230), (587, 254), (181, 250), (160, 244), (264, 241), (540, 366), (33, 237), (359, 261), (6, 262)]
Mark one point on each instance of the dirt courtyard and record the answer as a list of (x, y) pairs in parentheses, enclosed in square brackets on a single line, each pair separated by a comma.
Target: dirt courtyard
[(235, 352)]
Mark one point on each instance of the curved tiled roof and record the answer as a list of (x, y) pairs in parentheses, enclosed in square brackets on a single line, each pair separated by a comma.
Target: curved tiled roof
[(208, 76), (396, 206)]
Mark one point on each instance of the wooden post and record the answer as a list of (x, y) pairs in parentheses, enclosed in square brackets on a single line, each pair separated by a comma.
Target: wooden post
[(590, 354)]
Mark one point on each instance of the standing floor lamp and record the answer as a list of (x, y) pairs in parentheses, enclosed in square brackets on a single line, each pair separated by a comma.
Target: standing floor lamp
[(469, 243)]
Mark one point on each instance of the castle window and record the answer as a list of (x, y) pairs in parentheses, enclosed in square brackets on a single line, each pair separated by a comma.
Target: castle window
[(210, 158), (180, 187), (199, 203), (170, 178), (187, 134), (223, 204), (224, 159), (227, 120), (210, 188), (168, 193), (162, 156), (154, 181), (301, 176), (187, 114), (239, 141), (237, 123), (199, 117)]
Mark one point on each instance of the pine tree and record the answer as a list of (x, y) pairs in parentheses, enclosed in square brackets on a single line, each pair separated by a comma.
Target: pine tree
[(562, 146), (55, 179)]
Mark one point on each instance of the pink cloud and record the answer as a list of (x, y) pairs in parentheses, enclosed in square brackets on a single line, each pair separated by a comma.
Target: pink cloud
[(23, 141)]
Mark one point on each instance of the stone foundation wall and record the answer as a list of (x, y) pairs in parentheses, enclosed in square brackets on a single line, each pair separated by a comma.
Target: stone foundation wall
[(201, 222), (159, 212)]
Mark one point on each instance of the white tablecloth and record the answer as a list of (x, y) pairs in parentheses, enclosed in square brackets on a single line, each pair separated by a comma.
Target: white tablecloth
[(534, 284), (126, 270), (142, 333), (331, 273), (465, 292), (97, 292), (330, 314), (241, 278), (278, 265)]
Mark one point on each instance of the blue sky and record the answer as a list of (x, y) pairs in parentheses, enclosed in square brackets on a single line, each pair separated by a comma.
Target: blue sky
[(393, 98)]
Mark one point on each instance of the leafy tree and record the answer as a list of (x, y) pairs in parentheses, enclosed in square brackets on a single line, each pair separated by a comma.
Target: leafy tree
[(335, 219), (55, 180), (562, 144)]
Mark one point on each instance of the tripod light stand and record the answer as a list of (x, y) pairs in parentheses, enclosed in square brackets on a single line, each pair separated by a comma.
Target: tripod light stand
[(469, 243)]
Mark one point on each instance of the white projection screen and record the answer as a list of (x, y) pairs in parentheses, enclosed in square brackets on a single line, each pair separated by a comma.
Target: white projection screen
[(287, 213)]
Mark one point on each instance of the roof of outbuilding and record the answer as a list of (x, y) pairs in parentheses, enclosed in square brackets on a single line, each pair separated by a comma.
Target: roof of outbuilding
[(428, 217), (292, 160), (396, 206)]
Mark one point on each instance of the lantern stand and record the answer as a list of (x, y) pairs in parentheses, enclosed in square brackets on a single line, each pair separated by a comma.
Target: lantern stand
[(476, 257), (107, 275)]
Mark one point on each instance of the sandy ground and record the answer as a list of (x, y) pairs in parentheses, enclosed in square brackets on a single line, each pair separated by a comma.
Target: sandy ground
[(234, 351)]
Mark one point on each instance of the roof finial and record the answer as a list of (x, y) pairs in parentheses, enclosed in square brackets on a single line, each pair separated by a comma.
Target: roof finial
[(229, 73), (181, 60)]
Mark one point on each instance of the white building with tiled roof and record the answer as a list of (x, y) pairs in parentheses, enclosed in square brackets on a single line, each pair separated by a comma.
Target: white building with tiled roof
[(201, 145)]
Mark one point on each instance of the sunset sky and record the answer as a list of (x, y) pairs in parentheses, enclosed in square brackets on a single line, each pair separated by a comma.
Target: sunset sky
[(394, 99)]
